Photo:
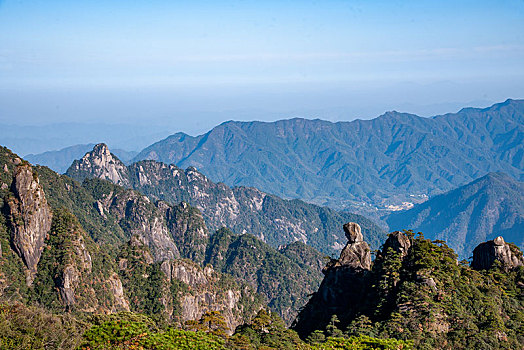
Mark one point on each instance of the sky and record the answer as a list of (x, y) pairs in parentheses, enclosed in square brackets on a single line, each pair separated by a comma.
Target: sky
[(190, 65)]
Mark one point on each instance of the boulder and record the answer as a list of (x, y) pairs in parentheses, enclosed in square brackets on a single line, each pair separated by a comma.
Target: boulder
[(353, 232), (356, 254), (486, 254), (399, 242)]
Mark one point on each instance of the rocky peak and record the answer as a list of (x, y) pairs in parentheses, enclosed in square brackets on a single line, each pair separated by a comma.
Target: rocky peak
[(344, 284), (353, 232), (485, 255), (399, 242), (356, 253), (30, 218), (100, 163)]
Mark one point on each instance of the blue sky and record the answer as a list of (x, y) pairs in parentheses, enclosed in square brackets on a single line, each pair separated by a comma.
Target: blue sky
[(193, 64)]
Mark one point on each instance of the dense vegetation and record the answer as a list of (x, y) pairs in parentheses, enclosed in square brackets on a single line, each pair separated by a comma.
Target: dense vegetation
[(345, 164), (242, 209), (98, 260), (430, 298), (285, 277), (33, 328)]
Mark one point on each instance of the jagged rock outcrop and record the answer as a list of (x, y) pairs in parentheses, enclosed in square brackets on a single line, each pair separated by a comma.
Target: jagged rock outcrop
[(486, 254), (117, 290), (141, 218), (204, 294), (78, 264), (242, 209), (399, 242), (102, 164), (181, 290), (345, 284), (30, 217), (74, 273), (418, 290), (356, 253)]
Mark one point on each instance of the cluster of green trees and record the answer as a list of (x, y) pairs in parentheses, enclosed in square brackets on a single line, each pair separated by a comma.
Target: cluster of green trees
[(24, 327)]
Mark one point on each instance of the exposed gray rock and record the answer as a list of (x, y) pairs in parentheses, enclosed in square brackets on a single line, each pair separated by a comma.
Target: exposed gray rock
[(67, 284), (399, 242), (242, 209), (487, 253), (117, 290), (428, 281), (203, 293), (344, 284), (102, 164), (143, 220), (30, 218), (186, 272), (353, 232), (356, 253)]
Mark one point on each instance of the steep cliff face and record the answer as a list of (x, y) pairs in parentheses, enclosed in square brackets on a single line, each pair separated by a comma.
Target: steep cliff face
[(207, 290), (30, 217), (102, 164), (242, 209), (181, 290), (139, 217), (103, 217), (345, 284), (26, 214), (488, 253)]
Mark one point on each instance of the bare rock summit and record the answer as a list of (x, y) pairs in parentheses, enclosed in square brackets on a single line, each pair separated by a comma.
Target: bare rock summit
[(488, 253)]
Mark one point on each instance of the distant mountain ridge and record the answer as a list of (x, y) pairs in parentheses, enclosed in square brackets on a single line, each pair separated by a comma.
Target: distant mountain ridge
[(242, 209), (490, 206), (350, 164)]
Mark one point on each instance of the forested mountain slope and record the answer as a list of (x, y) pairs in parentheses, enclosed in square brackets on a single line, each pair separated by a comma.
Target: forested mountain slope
[(383, 161), (130, 249), (481, 210)]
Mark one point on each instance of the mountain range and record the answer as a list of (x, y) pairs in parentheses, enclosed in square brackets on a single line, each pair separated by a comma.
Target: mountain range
[(360, 165), (96, 246), (242, 209)]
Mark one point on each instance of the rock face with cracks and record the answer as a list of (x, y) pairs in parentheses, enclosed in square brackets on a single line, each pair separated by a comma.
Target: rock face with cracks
[(356, 254), (30, 218)]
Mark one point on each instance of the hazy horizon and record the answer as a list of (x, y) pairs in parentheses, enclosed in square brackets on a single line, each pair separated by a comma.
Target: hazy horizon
[(189, 66)]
